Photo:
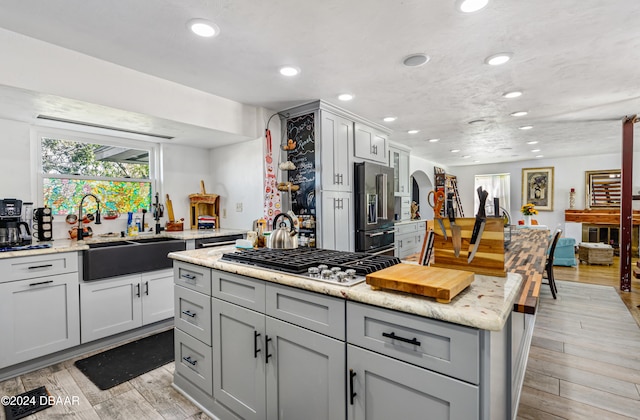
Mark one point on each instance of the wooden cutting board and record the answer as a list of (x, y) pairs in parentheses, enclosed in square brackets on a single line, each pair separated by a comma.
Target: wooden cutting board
[(440, 283)]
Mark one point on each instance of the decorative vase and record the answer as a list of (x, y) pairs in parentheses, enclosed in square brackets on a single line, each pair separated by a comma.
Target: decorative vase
[(572, 198), (527, 220)]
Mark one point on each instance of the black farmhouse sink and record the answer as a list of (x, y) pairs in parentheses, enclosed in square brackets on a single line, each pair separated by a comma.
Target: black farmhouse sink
[(109, 259)]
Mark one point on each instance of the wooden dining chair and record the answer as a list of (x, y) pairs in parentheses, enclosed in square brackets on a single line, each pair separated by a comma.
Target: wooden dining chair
[(549, 264)]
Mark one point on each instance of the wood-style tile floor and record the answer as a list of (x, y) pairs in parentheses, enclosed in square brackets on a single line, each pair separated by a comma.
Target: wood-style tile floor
[(149, 396), (584, 363)]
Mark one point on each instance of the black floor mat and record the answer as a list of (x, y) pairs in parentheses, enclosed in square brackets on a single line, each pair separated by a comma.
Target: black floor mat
[(118, 365), (27, 403)]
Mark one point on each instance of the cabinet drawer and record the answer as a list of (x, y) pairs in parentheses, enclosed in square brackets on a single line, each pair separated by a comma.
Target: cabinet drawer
[(192, 277), (234, 288), (320, 313), (440, 346), (406, 228), (193, 313), (38, 266), (193, 361)]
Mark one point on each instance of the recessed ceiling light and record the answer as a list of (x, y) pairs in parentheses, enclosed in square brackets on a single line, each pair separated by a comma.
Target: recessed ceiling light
[(413, 131), (532, 142), (389, 119), (434, 140), (539, 156), (526, 127), (511, 95), (466, 157), (498, 59), (480, 121), (519, 113), (345, 97), (416, 60), (470, 6), (454, 150), (535, 150), (203, 28), (289, 71), (476, 161)]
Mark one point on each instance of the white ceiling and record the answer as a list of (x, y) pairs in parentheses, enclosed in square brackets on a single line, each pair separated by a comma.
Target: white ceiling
[(577, 62)]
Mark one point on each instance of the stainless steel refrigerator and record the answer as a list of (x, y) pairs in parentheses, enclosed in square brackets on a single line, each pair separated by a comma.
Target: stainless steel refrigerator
[(374, 206)]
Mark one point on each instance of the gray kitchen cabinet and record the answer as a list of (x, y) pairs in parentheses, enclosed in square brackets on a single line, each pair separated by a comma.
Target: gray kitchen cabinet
[(337, 221), (264, 367), (399, 161), (122, 303), (239, 357), (39, 314), (336, 148), (409, 238), (370, 143), (382, 388)]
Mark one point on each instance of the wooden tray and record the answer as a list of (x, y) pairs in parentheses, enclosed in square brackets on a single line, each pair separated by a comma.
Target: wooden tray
[(440, 283)]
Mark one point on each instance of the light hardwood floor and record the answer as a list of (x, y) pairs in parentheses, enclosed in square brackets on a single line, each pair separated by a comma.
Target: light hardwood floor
[(584, 362)]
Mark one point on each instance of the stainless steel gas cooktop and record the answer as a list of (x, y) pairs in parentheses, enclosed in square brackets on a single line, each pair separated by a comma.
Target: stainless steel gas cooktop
[(337, 267)]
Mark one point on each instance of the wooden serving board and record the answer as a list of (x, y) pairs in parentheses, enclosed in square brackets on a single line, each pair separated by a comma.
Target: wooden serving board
[(440, 283)]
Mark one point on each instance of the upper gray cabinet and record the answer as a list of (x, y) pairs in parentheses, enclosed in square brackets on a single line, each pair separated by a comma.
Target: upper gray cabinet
[(370, 143), (336, 146), (399, 161)]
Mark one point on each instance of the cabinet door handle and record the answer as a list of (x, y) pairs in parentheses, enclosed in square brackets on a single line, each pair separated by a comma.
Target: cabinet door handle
[(189, 314), (146, 288), (267, 339), (138, 289), (40, 282), (352, 394), (393, 336), (341, 179), (34, 267), (189, 360), (188, 276), (336, 179), (256, 350)]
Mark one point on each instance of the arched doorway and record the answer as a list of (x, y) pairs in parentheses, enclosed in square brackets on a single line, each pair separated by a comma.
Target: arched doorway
[(421, 185)]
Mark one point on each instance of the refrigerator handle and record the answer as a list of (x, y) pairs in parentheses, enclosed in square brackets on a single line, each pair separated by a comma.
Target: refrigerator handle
[(381, 187)]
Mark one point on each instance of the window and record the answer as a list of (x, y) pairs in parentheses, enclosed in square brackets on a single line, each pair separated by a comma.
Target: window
[(118, 171), (498, 186)]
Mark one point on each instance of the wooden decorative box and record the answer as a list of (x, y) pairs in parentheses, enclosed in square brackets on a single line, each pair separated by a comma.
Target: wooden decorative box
[(595, 253)]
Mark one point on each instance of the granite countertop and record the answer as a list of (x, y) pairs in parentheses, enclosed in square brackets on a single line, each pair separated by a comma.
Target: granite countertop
[(71, 245), (485, 304)]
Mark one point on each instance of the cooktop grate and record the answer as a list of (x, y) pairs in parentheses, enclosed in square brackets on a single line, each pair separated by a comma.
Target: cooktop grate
[(297, 261)]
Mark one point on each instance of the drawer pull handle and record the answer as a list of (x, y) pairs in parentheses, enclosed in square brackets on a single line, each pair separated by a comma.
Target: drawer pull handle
[(188, 276), (190, 361), (352, 394), (34, 267), (40, 282), (267, 345), (189, 313), (256, 350), (393, 336)]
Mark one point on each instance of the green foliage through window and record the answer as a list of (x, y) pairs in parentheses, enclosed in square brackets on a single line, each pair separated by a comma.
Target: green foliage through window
[(77, 168)]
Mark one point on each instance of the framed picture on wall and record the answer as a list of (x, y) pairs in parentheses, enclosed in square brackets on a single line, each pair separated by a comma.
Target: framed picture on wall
[(537, 187)]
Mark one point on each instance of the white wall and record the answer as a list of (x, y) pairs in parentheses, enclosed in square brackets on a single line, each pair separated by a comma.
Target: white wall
[(568, 173), (15, 181)]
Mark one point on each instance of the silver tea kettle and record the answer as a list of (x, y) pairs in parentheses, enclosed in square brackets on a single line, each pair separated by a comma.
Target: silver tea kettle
[(284, 237)]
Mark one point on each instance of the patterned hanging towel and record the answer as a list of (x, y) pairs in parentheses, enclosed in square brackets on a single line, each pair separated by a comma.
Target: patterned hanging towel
[(272, 206)]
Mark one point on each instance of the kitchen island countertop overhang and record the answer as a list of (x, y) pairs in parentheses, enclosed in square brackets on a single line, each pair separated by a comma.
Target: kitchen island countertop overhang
[(486, 304)]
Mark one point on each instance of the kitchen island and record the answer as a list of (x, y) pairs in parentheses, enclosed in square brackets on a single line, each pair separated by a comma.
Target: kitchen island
[(255, 343)]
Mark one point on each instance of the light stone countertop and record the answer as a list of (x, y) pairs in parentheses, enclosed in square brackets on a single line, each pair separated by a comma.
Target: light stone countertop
[(71, 245), (406, 222), (485, 304)]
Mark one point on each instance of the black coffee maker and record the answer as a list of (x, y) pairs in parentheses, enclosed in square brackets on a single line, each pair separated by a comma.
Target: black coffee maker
[(13, 231)]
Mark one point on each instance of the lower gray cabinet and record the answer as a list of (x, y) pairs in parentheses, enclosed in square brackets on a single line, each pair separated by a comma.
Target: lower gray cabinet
[(382, 388), (264, 368)]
